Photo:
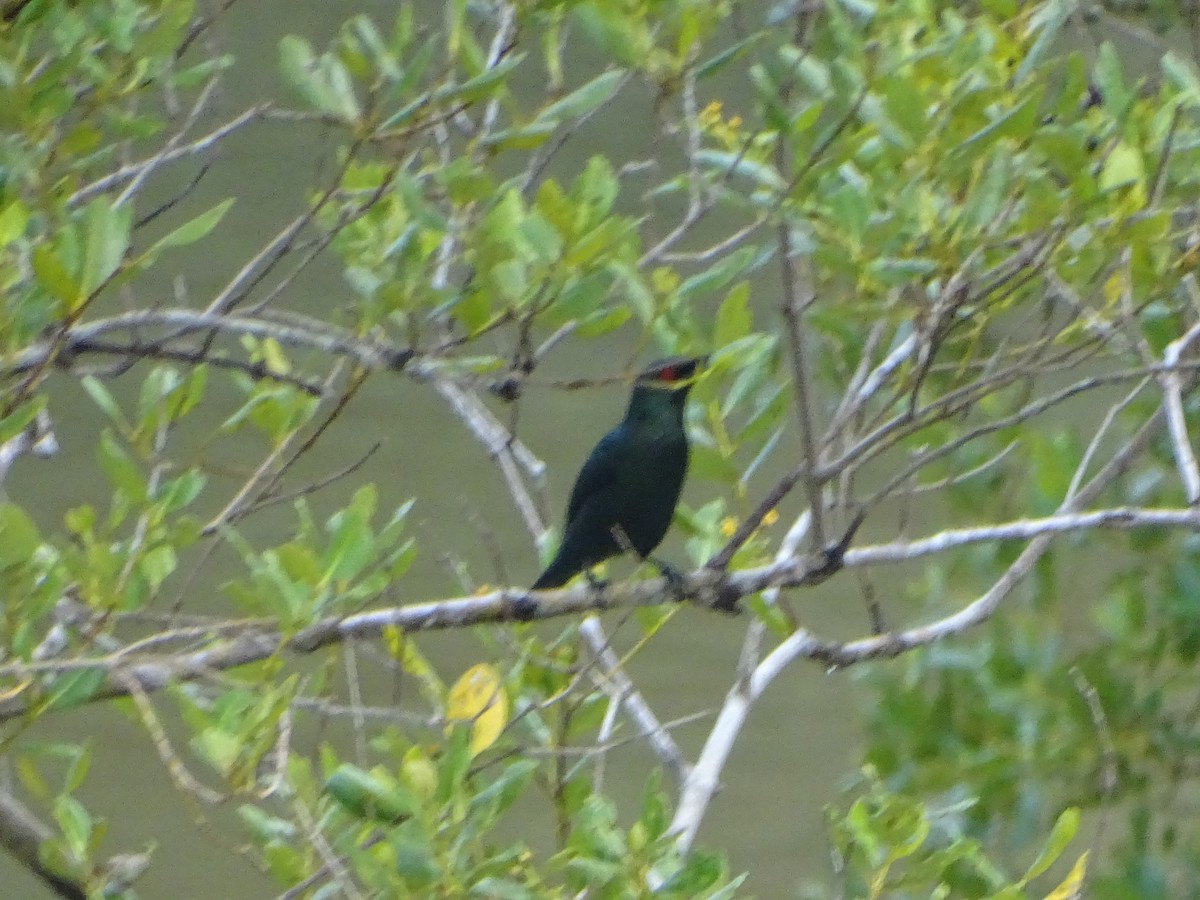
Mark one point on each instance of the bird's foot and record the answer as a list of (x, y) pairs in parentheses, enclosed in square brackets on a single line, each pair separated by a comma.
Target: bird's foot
[(675, 580), (599, 586)]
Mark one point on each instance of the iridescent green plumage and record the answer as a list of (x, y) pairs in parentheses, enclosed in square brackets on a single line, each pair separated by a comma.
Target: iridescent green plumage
[(627, 490)]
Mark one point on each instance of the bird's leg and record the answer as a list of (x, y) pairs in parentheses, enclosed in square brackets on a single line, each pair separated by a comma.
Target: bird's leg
[(597, 583), (674, 577)]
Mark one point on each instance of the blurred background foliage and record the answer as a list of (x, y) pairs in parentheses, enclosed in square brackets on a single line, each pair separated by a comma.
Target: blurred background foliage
[(942, 256)]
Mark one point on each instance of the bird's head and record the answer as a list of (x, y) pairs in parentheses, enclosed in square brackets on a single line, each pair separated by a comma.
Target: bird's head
[(675, 373), (664, 384)]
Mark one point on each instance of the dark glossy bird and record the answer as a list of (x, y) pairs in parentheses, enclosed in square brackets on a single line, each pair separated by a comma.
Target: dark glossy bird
[(626, 492)]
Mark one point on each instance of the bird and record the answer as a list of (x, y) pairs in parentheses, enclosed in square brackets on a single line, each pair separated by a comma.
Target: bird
[(626, 492)]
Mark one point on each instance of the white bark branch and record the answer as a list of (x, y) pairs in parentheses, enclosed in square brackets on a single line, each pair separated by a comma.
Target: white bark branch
[(1172, 386)]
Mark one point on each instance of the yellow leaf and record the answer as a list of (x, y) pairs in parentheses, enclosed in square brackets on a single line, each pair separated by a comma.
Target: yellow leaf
[(1124, 168), (1114, 286), (274, 357), (1072, 885), (419, 773), (402, 648), (393, 640), (478, 697)]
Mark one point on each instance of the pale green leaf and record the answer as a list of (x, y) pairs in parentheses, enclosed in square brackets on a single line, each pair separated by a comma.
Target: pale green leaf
[(733, 318), (106, 235), (1061, 835), (193, 230), (584, 99)]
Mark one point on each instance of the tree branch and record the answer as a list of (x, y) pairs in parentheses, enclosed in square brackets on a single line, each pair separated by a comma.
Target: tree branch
[(256, 640)]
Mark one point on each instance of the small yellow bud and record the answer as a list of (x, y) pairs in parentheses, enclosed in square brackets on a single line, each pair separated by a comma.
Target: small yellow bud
[(710, 115), (770, 518), (728, 526)]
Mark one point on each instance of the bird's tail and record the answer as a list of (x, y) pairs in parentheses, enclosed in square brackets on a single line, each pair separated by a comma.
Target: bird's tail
[(553, 577)]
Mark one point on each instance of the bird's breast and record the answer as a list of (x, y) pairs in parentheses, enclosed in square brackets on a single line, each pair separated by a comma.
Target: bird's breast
[(649, 489)]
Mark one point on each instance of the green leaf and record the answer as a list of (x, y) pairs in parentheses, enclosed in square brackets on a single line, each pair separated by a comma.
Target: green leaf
[(597, 187), (500, 889), (734, 51), (81, 762), (603, 321), (905, 104), (265, 828), (891, 271), (1048, 20), (53, 275), (1122, 167), (351, 548), (323, 82), (584, 99), (121, 470), (594, 871), (473, 310), (729, 892), (990, 191), (1016, 122), (340, 97), (106, 232), (416, 861), (637, 293), (1111, 82), (850, 207), (179, 492), (13, 220), (582, 296), (1181, 74), (526, 138), (701, 872), (724, 162), (771, 615), (708, 463), (718, 275), (104, 399), (19, 538), (456, 14), (193, 230), (501, 793), (74, 688), (808, 69), (615, 29), (455, 761), (1061, 835), (733, 318), (297, 62), (482, 84), (367, 796), (75, 823), (157, 565), (18, 420), (543, 237), (156, 388), (509, 279), (653, 814)]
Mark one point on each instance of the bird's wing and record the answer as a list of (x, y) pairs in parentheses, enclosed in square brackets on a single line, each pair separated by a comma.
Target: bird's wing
[(598, 472)]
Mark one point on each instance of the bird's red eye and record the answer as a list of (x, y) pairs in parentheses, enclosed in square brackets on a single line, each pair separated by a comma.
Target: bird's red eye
[(667, 373)]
